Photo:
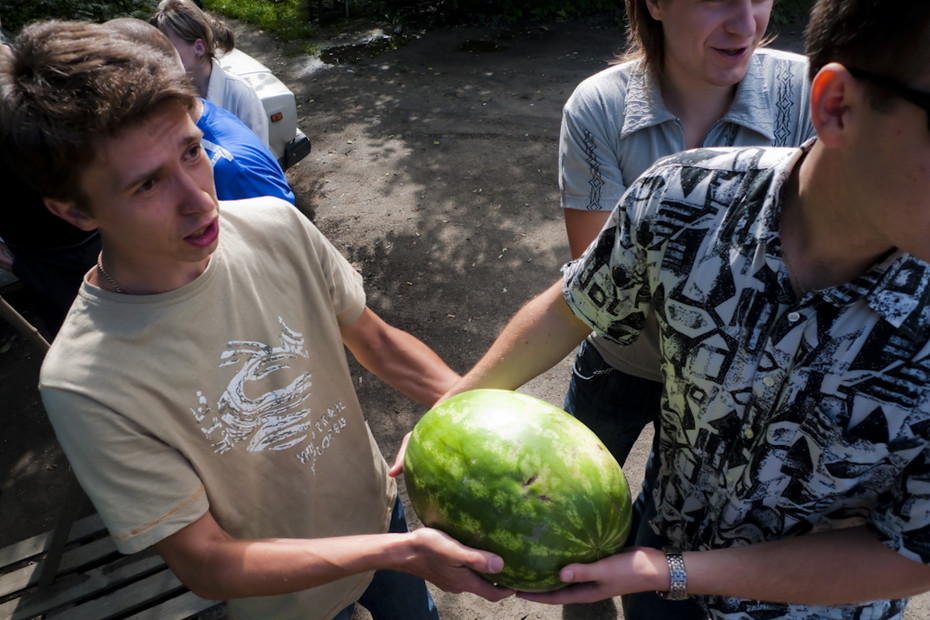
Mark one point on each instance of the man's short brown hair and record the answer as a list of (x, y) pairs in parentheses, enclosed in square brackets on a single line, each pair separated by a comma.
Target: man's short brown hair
[(885, 37), (67, 86)]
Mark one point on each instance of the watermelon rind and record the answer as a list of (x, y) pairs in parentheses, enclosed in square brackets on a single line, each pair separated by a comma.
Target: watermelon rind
[(514, 475)]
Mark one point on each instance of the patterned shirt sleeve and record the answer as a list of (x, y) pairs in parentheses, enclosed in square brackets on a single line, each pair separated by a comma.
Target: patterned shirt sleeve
[(608, 286)]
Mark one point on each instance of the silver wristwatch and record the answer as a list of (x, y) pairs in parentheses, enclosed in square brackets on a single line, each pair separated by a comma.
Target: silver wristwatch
[(678, 579)]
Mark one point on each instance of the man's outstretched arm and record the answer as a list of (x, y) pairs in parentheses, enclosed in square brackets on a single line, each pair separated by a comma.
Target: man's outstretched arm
[(827, 568), (398, 358), (537, 338), (215, 565)]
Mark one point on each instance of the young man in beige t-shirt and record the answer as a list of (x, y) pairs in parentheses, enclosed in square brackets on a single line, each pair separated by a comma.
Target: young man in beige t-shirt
[(199, 385)]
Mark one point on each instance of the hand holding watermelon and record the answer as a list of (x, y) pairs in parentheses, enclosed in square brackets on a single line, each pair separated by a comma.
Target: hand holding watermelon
[(398, 466), (631, 570), (514, 475), (450, 565)]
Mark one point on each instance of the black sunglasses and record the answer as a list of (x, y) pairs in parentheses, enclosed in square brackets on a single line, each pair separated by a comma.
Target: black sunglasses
[(918, 97)]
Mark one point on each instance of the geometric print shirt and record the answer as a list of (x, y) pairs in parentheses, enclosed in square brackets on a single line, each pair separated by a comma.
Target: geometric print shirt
[(781, 416)]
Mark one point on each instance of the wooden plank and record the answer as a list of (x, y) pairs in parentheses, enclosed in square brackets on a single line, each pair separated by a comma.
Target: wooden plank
[(65, 592), (25, 549), (95, 581), (19, 579), (20, 324), (88, 553), (73, 559), (184, 606), (127, 597)]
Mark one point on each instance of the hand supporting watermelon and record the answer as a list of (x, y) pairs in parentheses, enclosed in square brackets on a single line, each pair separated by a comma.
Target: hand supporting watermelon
[(450, 565), (790, 570), (398, 467), (215, 565), (638, 569)]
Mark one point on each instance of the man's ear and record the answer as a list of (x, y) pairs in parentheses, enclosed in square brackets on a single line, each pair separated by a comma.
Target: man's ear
[(68, 211), (833, 92), (200, 48)]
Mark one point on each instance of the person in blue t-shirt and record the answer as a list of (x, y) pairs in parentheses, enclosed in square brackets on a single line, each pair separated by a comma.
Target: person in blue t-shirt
[(243, 167)]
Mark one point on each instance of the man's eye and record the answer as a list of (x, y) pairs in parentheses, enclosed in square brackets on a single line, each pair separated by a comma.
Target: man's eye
[(147, 186), (194, 152)]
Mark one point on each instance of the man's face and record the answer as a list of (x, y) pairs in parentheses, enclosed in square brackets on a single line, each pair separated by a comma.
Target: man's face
[(710, 41), (891, 166), (150, 192)]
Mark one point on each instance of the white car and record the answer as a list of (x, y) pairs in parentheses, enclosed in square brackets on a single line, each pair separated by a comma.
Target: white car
[(287, 141)]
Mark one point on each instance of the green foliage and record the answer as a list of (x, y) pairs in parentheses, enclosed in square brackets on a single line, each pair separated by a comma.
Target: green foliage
[(291, 20), (18, 13), (288, 20)]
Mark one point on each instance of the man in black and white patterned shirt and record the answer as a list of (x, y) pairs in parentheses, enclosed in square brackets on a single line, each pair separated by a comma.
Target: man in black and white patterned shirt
[(792, 290)]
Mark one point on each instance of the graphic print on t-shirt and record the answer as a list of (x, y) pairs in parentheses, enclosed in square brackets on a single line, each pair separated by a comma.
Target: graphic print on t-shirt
[(279, 418)]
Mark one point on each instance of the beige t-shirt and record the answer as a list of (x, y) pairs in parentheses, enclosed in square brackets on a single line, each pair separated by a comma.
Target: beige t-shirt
[(231, 394)]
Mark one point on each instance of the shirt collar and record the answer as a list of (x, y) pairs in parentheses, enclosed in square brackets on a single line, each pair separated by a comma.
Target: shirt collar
[(898, 290), (644, 106), (216, 87)]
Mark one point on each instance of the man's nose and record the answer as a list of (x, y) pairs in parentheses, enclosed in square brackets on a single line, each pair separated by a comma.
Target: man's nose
[(195, 196)]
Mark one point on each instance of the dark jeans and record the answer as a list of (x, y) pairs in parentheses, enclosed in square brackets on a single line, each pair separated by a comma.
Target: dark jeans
[(393, 595), (595, 394), (649, 605)]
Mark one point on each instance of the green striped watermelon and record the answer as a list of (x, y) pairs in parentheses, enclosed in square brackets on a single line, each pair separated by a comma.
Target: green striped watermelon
[(514, 475)]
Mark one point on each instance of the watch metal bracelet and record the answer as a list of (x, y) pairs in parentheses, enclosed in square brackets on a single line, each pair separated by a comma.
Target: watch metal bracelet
[(677, 578)]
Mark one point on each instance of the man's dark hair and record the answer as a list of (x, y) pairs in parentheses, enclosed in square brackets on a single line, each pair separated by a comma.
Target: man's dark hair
[(144, 33), (884, 37), (69, 85)]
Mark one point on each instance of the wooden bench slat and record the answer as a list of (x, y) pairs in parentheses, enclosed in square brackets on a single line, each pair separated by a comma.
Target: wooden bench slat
[(183, 606), (25, 549), (66, 591), (94, 551), (19, 579), (82, 555), (94, 581), (130, 596)]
